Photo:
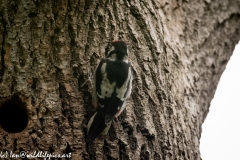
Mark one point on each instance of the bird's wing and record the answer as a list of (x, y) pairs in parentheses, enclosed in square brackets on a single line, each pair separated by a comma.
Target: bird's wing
[(112, 86), (128, 91), (97, 82)]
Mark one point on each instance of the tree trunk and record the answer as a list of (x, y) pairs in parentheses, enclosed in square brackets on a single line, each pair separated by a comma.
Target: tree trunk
[(178, 49)]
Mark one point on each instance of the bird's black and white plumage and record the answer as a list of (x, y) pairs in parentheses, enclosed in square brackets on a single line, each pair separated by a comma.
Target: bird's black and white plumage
[(112, 86)]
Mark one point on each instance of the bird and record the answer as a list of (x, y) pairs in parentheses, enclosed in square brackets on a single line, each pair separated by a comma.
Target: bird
[(112, 85)]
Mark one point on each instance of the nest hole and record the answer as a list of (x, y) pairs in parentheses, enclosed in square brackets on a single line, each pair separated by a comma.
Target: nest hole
[(13, 115)]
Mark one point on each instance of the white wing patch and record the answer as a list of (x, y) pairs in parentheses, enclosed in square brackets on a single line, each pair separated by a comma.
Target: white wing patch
[(90, 122), (127, 90), (106, 87), (121, 92)]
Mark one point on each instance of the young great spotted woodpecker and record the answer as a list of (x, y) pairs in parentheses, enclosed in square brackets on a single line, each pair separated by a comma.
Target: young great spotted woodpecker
[(112, 86)]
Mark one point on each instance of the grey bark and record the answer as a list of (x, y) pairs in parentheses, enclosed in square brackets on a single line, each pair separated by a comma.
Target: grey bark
[(178, 49)]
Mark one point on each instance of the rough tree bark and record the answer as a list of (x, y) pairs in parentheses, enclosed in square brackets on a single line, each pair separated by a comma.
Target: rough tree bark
[(49, 49)]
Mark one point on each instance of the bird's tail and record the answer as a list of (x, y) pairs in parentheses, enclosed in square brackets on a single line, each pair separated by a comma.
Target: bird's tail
[(96, 126)]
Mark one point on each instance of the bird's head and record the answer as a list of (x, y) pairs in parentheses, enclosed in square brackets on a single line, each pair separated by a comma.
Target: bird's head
[(119, 49)]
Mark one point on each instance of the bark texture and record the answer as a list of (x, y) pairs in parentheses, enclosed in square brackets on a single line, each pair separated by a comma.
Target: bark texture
[(178, 49)]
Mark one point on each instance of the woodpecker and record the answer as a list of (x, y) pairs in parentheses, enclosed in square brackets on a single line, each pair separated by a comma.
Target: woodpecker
[(112, 86)]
